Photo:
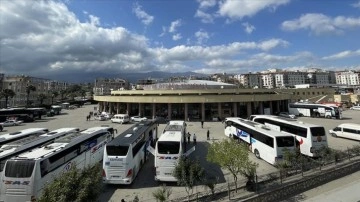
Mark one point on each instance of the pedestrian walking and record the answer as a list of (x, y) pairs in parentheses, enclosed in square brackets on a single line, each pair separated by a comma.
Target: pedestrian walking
[(194, 139), (208, 135), (202, 124), (188, 137)]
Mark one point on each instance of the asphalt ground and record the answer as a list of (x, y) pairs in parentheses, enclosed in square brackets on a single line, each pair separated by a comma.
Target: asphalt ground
[(144, 184)]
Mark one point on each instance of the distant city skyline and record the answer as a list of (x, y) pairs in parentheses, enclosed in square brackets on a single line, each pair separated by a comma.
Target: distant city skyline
[(69, 40)]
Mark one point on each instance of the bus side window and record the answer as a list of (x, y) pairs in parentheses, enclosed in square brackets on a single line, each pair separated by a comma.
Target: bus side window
[(44, 167)]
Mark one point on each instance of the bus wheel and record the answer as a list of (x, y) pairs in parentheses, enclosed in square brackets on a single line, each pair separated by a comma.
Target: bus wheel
[(301, 115), (328, 117), (257, 154)]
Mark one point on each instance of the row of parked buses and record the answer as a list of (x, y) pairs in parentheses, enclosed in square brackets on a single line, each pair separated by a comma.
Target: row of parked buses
[(268, 136), (125, 155), (32, 157)]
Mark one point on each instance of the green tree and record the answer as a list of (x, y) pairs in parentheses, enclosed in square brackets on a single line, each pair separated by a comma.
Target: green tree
[(54, 94), (232, 156), (41, 97), (162, 194), (29, 89), (7, 93), (188, 173), (74, 186)]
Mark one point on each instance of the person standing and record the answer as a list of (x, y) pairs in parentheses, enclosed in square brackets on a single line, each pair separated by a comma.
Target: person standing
[(208, 135), (194, 139), (188, 137), (202, 124)]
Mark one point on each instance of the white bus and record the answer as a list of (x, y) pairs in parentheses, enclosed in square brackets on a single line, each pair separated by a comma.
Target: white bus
[(265, 143), (347, 130), (126, 154), (315, 110), (25, 175), (309, 137), (168, 150), (19, 146), (11, 137)]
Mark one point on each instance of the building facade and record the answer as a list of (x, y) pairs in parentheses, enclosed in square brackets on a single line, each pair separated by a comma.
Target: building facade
[(203, 104)]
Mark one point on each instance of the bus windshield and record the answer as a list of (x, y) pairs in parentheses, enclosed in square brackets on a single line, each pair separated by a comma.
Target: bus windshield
[(285, 141), (19, 169), (317, 131), (117, 150), (165, 147)]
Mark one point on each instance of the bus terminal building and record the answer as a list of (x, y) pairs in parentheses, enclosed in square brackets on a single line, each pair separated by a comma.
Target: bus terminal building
[(205, 102)]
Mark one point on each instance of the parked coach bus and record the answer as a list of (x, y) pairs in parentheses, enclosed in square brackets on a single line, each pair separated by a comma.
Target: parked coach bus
[(315, 110), (168, 150), (309, 137), (265, 143), (127, 153)]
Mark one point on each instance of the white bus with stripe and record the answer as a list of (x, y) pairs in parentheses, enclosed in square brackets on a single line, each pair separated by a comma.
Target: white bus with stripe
[(264, 142), (309, 137), (24, 176)]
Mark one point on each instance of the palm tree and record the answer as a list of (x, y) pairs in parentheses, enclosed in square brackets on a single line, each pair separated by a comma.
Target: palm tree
[(7, 93), (29, 88), (41, 97), (54, 94)]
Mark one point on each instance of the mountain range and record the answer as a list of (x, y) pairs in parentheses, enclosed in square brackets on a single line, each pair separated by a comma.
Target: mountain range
[(131, 77)]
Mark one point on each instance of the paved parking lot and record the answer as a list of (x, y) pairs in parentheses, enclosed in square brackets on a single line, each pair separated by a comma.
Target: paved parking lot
[(145, 184)]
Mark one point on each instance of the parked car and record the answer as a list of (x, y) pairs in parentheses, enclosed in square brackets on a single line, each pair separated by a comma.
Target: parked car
[(137, 118), (100, 118), (287, 115), (11, 123), (355, 108)]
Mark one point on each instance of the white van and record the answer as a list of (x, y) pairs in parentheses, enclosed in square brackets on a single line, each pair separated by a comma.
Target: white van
[(347, 130), (120, 118)]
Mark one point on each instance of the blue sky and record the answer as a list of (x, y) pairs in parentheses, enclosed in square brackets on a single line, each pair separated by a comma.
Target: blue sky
[(63, 39)]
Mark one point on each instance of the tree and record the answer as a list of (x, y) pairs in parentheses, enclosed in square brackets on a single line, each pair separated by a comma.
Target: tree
[(232, 156), (162, 194), (54, 94), (41, 97), (188, 173), (62, 94), (74, 185), (29, 88), (7, 93)]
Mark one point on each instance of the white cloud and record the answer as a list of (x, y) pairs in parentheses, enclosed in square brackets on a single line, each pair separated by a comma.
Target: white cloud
[(176, 37), (205, 17), (247, 8), (174, 25), (145, 18), (356, 5), (342, 55), (203, 4), (272, 43), (248, 27), (320, 24), (201, 36), (163, 31)]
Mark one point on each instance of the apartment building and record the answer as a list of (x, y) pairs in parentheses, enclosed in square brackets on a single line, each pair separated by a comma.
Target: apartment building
[(18, 84), (250, 80), (104, 86), (348, 77)]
